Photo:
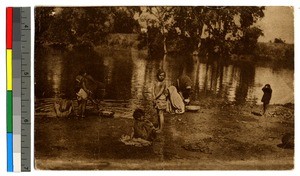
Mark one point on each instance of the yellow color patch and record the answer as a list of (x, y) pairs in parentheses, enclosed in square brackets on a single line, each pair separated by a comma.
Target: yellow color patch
[(9, 75)]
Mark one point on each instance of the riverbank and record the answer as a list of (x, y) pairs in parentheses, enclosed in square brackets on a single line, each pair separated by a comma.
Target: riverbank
[(220, 136)]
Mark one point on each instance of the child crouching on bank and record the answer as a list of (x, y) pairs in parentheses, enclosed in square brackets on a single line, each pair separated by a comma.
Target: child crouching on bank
[(142, 127), (143, 132)]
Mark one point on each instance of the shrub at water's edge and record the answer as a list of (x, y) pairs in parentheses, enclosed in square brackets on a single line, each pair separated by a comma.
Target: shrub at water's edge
[(275, 51), (262, 51)]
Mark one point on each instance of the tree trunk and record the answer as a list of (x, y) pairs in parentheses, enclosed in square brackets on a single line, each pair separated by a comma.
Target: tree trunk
[(165, 45)]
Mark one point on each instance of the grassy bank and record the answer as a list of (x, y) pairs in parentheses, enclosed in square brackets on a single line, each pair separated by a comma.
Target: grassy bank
[(220, 136)]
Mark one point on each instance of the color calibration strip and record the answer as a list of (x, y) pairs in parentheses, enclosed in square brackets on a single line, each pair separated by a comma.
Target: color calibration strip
[(9, 98), (18, 88)]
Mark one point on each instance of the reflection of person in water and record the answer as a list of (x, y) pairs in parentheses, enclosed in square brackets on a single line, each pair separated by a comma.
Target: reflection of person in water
[(266, 97), (184, 87)]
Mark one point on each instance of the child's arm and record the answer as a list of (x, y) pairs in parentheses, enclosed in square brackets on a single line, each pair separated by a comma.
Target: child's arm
[(158, 93), (132, 133)]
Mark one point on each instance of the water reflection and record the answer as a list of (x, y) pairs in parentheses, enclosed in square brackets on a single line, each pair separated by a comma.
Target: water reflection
[(245, 82), (129, 75), (119, 86), (54, 76)]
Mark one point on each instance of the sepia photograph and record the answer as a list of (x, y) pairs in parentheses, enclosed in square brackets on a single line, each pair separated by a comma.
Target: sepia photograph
[(164, 88)]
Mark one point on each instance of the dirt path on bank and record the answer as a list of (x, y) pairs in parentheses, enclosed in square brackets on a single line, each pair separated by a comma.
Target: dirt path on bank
[(221, 136)]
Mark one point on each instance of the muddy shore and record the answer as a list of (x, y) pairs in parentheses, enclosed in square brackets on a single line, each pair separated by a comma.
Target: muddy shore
[(220, 136)]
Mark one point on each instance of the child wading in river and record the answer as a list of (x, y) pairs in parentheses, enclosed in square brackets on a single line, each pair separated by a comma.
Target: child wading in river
[(82, 97), (89, 89), (160, 98)]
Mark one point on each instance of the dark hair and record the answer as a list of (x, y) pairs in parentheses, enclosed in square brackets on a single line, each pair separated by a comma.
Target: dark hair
[(268, 85), (82, 72), (160, 72), (138, 113)]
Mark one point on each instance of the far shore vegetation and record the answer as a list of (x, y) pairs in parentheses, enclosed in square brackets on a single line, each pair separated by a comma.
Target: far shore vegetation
[(205, 31)]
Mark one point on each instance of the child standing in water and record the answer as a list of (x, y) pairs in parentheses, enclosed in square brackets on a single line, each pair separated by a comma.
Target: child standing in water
[(266, 97), (89, 89), (160, 98), (82, 101)]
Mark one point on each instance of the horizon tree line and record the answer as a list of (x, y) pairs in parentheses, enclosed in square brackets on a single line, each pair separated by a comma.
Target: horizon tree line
[(162, 29)]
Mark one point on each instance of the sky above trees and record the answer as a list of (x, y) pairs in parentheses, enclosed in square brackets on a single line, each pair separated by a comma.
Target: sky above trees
[(278, 22)]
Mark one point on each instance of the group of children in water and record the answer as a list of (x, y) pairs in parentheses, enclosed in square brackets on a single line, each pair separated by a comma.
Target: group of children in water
[(142, 127)]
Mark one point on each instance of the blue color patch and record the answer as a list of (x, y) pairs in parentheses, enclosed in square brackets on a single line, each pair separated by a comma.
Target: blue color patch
[(10, 164)]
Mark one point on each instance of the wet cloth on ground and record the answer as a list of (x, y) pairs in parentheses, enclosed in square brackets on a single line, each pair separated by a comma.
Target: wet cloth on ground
[(137, 142)]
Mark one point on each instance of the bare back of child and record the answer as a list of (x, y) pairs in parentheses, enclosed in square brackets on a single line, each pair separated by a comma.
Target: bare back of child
[(142, 127)]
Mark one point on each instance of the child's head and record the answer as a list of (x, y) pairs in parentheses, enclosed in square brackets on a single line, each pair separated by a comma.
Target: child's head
[(160, 75), (268, 86), (138, 114), (79, 78), (83, 72)]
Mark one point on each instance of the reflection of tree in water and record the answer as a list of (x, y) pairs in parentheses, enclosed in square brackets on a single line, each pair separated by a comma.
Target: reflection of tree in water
[(213, 79), (246, 80), (150, 78), (55, 74), (138, 78), (55, 71), (76, 62), (120, 85), (42, 87), (173, 67)]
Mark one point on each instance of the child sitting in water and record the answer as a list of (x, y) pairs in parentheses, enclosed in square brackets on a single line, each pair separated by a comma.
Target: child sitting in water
[(142, 127), (143, 131)]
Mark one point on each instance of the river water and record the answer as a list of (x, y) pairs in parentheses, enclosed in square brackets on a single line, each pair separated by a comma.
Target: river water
[(129, 75)]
